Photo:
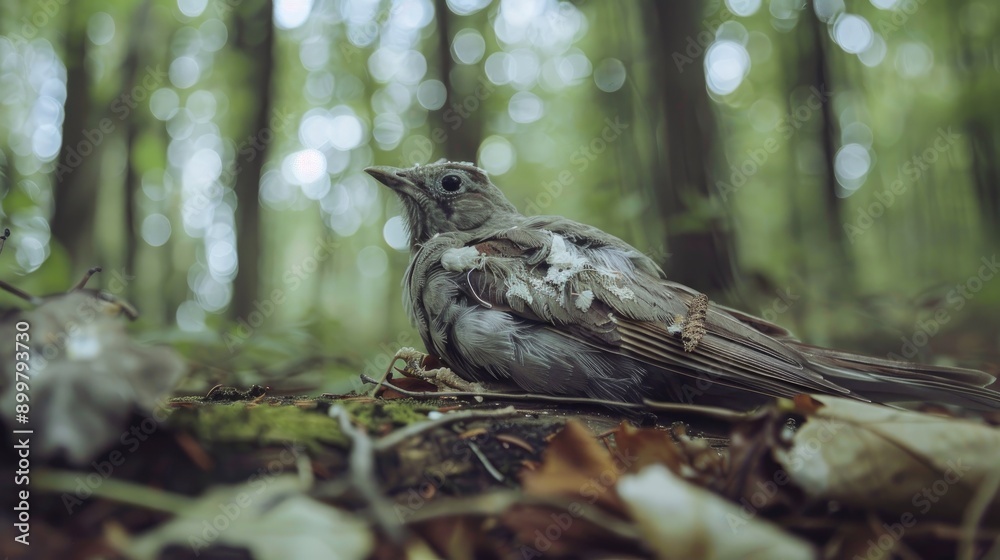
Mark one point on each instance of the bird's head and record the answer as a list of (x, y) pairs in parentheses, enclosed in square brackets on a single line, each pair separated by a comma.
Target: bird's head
[(446, 197)]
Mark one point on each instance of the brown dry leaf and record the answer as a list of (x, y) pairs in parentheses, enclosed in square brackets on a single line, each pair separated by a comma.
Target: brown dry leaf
[(855, 540), (579, 471), (686, 522), (755, 480), (910, 464), (456, 537), (692, 459), (646, 447), (575, 465), (413, 384)]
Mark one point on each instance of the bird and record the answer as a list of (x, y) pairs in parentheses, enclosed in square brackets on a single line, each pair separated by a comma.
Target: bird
[(558, 307)]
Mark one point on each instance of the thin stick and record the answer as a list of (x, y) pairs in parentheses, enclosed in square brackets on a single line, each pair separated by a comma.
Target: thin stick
[(984, 496), (86, 278), (495, 503), (395, 438), (716, 413), (497, 475), (405, 354), (20, 293), (362, 471), (503, 396), (116, 490)]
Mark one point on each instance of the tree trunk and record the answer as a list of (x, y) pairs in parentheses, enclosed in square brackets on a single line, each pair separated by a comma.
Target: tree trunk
[(132, 180), (75, 186), (700, 257), (256, 40)]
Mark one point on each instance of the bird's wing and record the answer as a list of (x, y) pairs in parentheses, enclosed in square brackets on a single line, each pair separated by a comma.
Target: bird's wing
[(595, 288)]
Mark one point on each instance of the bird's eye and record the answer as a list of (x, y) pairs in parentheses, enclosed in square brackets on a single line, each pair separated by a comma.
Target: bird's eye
[(451, 183)]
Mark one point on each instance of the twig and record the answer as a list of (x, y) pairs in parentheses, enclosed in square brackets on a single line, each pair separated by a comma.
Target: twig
[(994, 551), (34, 300), (399, 355), (721, 414), (117, 490), (362, 469), (503, 396), (497, 475), (714, 412), (395, 438), (86, 278), (898, 547), (494, 503), (974, 514)]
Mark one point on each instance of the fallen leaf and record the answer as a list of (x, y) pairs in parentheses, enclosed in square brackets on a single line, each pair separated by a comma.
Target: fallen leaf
[(686, 522), (907, 463)]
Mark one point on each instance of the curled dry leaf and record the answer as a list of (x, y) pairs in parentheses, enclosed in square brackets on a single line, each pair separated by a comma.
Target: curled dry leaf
[(906, 463), (686, 522), (576, 465), (407, 383), (580, 472), (692, 459)]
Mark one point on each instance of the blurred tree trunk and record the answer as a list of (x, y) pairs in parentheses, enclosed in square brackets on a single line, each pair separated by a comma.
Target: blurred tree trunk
[(814, 72), (986, 176), (700, 251), (256, 39), (132, 180), (456, 122), (980, 122), (75, 191)]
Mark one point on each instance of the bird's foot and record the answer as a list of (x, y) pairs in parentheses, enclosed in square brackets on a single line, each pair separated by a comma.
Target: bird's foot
[(422, 366), (447, 380)]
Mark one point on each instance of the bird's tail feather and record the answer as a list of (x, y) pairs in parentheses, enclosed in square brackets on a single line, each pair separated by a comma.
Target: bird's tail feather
[(895, 381)]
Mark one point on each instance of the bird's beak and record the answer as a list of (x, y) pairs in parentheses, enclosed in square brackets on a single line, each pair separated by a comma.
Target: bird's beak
[(392, 177)]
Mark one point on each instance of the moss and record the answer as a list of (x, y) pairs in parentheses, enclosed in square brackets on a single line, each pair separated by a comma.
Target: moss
[(304, 421), (260, 425), (377, 414)]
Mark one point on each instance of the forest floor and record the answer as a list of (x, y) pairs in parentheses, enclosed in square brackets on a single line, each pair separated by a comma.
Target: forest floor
[(241, 474)]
